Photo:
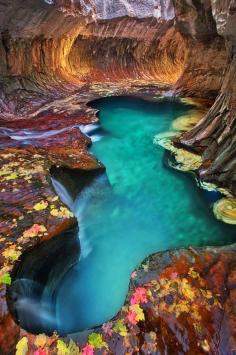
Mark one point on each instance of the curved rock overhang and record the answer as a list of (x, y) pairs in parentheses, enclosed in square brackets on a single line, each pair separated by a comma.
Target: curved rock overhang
[(77, 50), (53, 51), (49, 49), (69, 43)]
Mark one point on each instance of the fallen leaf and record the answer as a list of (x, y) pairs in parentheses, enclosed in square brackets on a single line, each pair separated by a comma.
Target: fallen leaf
[(120, 328), (96, 341), (40, 340), (5, 279), (42, 205), (22, 346), (87, 350)]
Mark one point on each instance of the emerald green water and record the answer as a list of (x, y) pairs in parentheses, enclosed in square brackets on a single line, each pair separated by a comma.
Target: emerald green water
[(138, 207)]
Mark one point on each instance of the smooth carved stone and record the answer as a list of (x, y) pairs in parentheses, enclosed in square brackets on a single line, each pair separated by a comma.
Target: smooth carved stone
[(225, 210), (180, 292), (57, 57), (184, 159), (187, 122)]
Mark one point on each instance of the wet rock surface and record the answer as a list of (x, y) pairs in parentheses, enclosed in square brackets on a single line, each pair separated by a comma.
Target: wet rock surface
[(178, 302), (183, 302), (214, 137)]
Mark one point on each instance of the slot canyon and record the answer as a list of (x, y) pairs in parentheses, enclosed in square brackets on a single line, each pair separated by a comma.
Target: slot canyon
[(117, 177)]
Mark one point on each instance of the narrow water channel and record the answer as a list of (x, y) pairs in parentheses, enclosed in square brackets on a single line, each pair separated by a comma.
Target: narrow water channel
[(137, 207)]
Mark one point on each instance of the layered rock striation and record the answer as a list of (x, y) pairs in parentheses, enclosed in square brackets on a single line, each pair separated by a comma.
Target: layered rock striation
[(56, 56), (214, 137)]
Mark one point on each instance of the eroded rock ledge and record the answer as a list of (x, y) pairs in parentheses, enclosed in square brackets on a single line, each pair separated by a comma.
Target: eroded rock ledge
[(51, 51), (178, 302), (55, 57), (214, 137)]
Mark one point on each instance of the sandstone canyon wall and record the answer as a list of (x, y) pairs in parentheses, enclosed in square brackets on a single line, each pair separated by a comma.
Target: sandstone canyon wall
[(215, 135), (53, 53), (54, 47)]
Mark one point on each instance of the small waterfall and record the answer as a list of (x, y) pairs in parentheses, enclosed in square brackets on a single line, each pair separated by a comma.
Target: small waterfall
[(28, 305), (77, 208), (32, 294), (29, 134), (98, 187), (91, 130), (62, 192), (26, 134), (82, 198)]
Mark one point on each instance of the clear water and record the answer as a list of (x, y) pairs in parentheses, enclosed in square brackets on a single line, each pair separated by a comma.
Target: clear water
[(138, 207)]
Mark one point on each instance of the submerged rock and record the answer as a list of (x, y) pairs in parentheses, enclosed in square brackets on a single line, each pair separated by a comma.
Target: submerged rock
[(54, 59), (185, 160), (225, 210), (186, 122)]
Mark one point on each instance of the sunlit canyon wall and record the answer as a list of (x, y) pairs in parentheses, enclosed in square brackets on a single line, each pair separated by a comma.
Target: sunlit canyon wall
[(53, 52)]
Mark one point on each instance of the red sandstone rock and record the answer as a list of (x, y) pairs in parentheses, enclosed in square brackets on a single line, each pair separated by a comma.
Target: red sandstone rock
[(52, 63)]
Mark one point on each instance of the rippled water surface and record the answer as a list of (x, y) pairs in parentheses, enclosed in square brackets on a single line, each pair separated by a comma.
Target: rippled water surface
[(138, 207)]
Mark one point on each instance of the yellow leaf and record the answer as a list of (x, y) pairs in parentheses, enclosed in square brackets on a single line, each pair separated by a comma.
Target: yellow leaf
[(139, 312), (5, 279), (11, 253), (193, 273), (97, 341), (63, 212), (120, 328), (11, 177), (55, 198), (62, 348), (73, 348), (40, 340), (67, 349), (54, 212), (187, 290), (22, 346), (42, 205), (4, 172)]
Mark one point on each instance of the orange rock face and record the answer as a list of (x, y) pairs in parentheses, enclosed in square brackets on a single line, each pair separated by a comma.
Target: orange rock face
[(55, 57)]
